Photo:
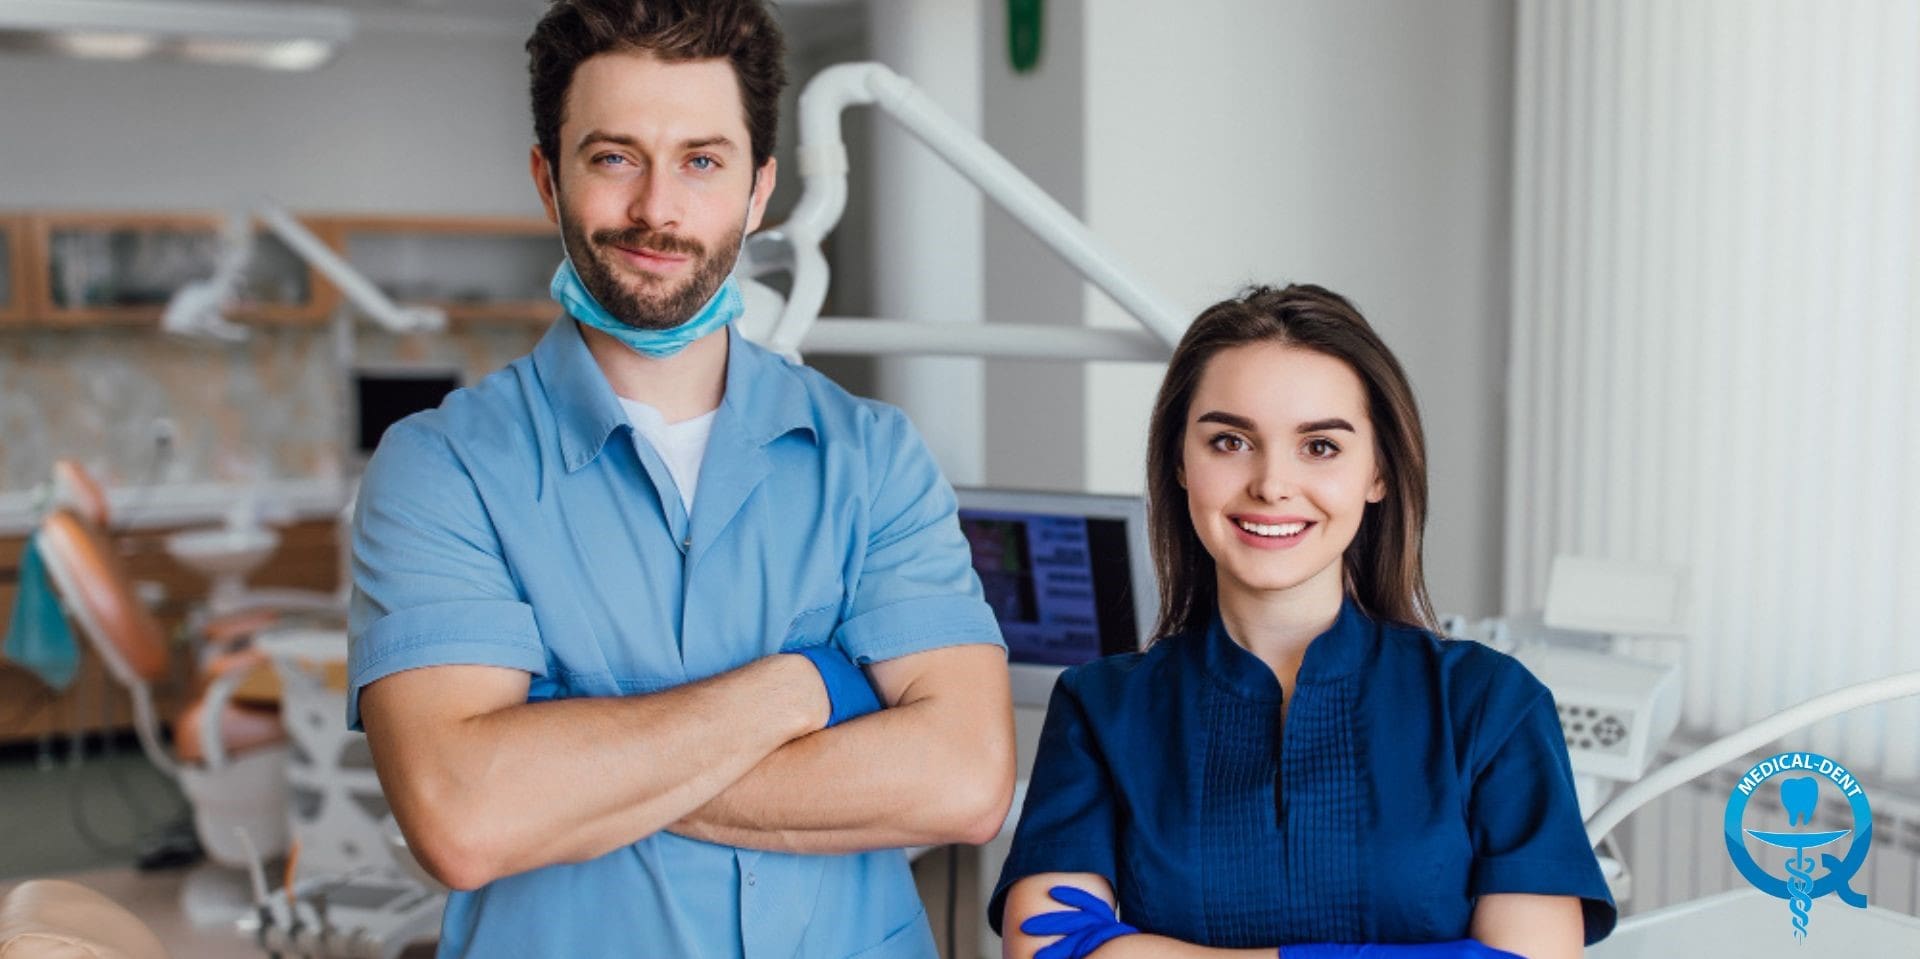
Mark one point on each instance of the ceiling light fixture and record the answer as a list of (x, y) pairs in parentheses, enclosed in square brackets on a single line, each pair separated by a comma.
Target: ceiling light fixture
[(280, 36)]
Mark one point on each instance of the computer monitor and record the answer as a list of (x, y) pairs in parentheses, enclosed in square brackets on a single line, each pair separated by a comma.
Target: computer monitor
[(1069, 577), (384, 396)]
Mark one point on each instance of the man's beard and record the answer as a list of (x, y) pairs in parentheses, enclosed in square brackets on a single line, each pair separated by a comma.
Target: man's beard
[(653, 309)]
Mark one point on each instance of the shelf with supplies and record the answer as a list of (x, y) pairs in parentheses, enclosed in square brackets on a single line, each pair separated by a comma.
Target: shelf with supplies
[(71, 269), (108, 267), (477, 269)]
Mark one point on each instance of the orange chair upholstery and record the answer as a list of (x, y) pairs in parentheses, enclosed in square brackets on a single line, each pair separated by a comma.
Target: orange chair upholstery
[(246, 722), (74, 488)]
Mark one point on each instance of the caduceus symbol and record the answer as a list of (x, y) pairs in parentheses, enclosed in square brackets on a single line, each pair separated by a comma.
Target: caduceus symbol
[(1799, 796)]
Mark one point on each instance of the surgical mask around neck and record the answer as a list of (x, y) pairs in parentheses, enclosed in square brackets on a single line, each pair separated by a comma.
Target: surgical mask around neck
[(722, 308)]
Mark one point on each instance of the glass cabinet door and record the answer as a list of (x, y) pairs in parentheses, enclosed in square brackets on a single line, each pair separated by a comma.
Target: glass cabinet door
[(477, 269), (123, 267)]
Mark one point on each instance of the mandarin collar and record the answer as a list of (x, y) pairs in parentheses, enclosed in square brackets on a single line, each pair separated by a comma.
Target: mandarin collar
[(1334, 654)]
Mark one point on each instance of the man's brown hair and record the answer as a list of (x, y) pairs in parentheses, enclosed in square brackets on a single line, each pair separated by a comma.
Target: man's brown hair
[(741, 31)]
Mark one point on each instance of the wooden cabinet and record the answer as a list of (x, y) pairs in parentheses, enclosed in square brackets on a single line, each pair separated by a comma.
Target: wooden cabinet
[(116, 267), (65, 269), (14, 269), (478, 269)]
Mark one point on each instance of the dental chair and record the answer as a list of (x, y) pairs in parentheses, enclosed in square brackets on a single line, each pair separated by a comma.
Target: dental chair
[(230, 750)]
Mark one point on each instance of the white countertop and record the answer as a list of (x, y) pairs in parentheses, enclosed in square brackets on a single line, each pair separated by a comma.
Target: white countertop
[(188, 504)]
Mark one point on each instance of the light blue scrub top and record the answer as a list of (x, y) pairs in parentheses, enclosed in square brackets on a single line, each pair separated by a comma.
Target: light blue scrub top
[(519, 525)]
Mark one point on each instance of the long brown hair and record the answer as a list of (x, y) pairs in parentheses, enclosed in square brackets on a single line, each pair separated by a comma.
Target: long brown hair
[(1381, 566)]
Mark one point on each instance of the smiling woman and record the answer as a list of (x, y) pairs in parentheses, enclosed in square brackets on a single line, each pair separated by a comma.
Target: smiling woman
[(1299, 761), (1306, 362)]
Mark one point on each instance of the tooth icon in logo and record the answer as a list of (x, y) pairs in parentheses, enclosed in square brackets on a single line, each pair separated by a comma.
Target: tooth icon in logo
[(1800, 796)]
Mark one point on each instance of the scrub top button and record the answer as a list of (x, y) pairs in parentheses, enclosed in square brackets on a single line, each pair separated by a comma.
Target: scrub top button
[(749, 879)]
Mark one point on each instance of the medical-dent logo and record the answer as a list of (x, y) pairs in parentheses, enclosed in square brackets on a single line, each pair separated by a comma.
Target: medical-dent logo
[(1799, 794)]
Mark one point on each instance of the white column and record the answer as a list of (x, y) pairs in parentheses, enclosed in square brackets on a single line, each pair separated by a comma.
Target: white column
[(927, 226)]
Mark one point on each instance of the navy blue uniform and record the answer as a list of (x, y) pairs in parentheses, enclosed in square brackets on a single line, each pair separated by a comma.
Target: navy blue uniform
[(1410, 775)]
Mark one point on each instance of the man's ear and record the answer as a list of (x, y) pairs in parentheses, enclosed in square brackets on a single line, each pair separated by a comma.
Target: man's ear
[(543, 180), (763, 183)]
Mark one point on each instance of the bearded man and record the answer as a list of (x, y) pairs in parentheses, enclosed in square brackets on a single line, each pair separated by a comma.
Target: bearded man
[(620, 718)]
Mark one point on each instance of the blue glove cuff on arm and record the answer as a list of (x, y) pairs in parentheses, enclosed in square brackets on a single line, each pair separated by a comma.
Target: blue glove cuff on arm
[(849, 695)]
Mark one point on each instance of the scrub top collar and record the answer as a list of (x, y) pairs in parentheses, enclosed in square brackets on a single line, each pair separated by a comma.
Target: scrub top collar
[(1333, 655), (764, 397)]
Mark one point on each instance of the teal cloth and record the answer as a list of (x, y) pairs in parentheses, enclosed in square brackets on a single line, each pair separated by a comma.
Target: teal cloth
[(38, 636)]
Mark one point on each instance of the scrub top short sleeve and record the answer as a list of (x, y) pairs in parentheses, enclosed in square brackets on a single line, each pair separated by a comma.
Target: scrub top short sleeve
[(1529, 839), (1068, 823), (431, 586), (917, 589)]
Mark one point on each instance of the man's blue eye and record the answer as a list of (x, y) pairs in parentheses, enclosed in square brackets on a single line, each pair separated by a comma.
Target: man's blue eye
[(702, 164)]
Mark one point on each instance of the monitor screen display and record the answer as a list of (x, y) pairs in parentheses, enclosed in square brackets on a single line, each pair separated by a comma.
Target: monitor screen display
[(385, 397), (1060, 584)]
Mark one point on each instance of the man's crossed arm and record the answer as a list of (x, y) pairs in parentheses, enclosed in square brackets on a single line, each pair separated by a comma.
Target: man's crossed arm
[(936, 766), (486, 785)]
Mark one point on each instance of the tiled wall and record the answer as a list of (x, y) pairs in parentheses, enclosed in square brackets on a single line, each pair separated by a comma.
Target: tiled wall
[(273, 407)]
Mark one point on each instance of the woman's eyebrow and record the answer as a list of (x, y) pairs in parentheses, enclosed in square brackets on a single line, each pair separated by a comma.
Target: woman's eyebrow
[(1228, 419), (1322, 426)]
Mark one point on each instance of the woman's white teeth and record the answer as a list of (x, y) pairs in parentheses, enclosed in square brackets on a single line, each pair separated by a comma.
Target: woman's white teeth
[(1262, 529)]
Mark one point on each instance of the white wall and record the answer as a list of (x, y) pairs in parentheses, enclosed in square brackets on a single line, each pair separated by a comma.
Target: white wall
[(400, 123), (1360, 145)]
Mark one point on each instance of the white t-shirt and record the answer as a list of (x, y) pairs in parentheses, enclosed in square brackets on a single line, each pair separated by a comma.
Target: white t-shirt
[(681, 445)]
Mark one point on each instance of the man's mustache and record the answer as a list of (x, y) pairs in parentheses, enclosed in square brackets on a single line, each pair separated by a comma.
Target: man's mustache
[(641, 239)]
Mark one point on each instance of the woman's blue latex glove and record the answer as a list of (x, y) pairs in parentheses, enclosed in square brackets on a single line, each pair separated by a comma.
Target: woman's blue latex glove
[(849, 695), (1085, 925), (1457, 949)]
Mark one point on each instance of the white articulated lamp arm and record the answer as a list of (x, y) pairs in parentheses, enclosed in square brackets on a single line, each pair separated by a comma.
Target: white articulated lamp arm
[(356, 288), (1731, 747), (195, 309), (823, 173)]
